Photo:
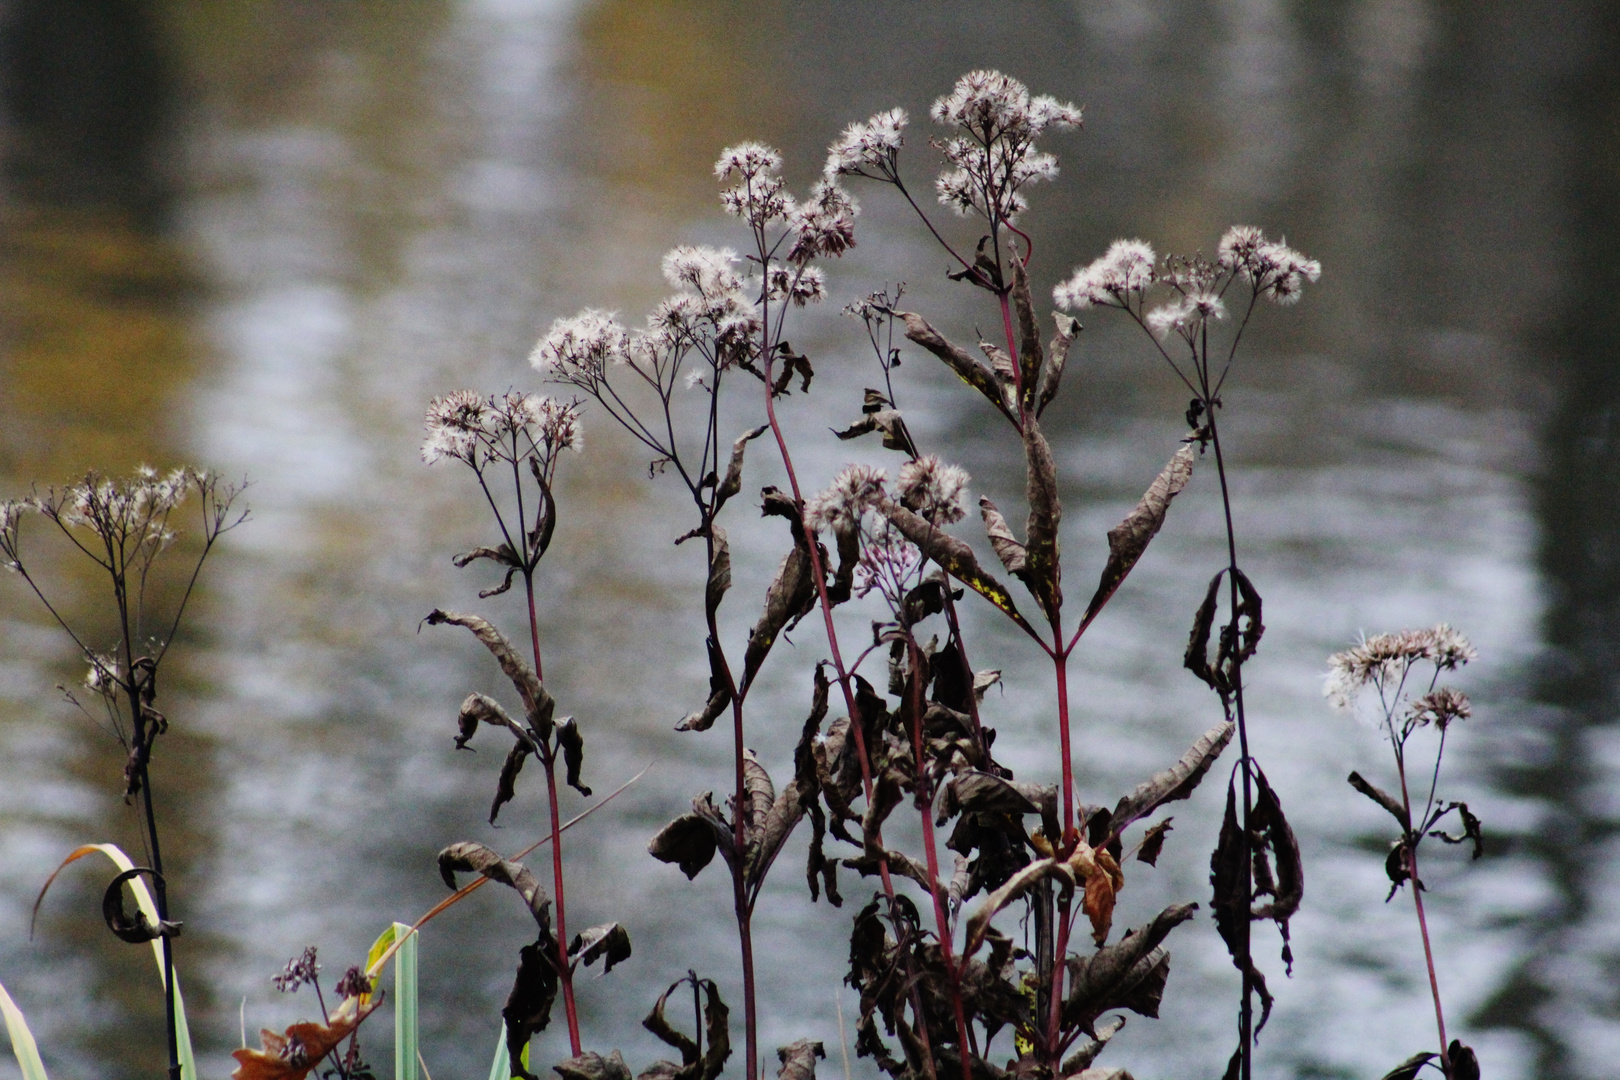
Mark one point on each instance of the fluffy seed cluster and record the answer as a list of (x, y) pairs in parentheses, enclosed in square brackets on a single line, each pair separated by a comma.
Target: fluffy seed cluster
[(823, 225), (105, 677), (1382, 660), (1125, 271), (1187, 315), (801, 286), (933, 489), (759, 195), (869, 149), (841, 505), (995, 156), (1276, 271), (1441, 707), (713, 303), (467, 426), (578, 349)]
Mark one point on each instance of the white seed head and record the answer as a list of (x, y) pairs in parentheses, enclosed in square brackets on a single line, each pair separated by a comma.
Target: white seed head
[(870, 148), (841, 505), (933, 489), (1126, 270)]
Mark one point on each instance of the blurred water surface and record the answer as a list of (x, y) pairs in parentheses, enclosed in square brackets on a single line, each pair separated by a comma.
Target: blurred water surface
[(259, 236)]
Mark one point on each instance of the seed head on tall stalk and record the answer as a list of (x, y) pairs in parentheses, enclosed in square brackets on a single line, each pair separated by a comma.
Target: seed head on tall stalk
[(128, 528)]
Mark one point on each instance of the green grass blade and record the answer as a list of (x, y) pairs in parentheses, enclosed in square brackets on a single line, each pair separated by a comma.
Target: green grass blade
[(405, 1032), (22, 1039), (501, 1068), (143, 899)]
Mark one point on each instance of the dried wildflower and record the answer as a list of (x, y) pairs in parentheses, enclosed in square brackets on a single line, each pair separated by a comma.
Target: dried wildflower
[(933, 489), (805, 285), (823, 225), (996, 155), (578, 349), (105, 677), (1126, 270), (846, 498), (11, 512), (1384, 658), (300, 969), (1187, 315), (559, 424), (889, 564), (869, 149), (706, 271), (759, 196), (354, 983), (1440, 708), (1276, 270)]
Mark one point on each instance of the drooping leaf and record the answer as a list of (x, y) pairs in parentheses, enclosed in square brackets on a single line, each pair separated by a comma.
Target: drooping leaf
[(294, 1053), (879, 414), (732, 484), (1153, 842), (717, 1033), (719, 692), (1103, 880), (136, 929), (1007, 546), (538, 705), (1043, 571), (719, 580), (791, 594), (1127, 975), (974, 791), (1030, 360), (1196, 659), (477, 709), (969, 370), (1382, 798), (1229, 879), (1129, 539), (1472, 829), (1288, 890), (469, 856), (608, 942), (1464, 1064), (1083, 1057), (978, 925), (1176, 782), (792, 364), (758, 795), (1408, 1069), (953, 555), (1068, 328), (799, 1060), (688, 841), (593, 1066), (506, 786), (528, 1004), (573, 748)]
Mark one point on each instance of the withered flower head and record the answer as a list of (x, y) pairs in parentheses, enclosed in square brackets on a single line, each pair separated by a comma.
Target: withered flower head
[(846, 498), (933, 489), (1441, 707)]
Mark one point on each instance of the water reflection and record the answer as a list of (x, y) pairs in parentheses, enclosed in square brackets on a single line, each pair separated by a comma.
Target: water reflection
[(386, 201)]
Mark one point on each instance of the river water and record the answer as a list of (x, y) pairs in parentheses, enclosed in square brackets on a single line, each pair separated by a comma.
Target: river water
[(260, 236)]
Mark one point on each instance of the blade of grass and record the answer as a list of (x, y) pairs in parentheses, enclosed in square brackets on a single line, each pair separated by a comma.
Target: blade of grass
[(22, 1039), (501, 1067), (405, 1029), (143, 899)]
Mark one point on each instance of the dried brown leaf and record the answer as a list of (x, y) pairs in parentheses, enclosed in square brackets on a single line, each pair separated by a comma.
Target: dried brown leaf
[(506, 786), (1030, 360), (1127, 975), (593, 1066), (967, 369), (799, 1060), (1382, 798), (1129, 539), (732, 484), (1176, 782), (1008, 547), (471, 857), (538, 705), (689, 841), (1044, 570), (573, 748), (294, 1053), (952, 554), (608, 942), (1057, 355), (1153, 842)]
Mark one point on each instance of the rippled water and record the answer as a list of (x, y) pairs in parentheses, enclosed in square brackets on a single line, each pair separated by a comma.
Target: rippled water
[(260, 236)]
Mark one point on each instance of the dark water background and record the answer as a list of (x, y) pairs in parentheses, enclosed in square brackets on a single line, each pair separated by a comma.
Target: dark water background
[(258, 236)]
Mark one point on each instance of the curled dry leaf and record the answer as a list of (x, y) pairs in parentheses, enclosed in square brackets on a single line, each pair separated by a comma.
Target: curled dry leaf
[(792, 592), (136, 929), (1472, 829), (959, 360), (1030, 360), (1382, 798), (1068, 328), (1127, 975), (480, 709), (719, 689), (689, 841), (528, 1004), (799, 1060), (1009, 549), (1408, 1069), (573, 748), (538, 705), (294, 1053), (695, 1065), (879, 414), (1228, 877), (1043, 572), (953, 555), (1129, 539), (506, 786), (1083, 1057), (608, 942), (1153, 843), (471, 857), (593, 1066), (732, 484), (1176, 782)]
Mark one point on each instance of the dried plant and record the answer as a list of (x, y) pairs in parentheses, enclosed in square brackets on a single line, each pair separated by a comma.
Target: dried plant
[(1393, 667), (129, 529)]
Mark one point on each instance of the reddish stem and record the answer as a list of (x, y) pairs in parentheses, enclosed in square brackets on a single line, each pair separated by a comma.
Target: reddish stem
[(1423, 922)]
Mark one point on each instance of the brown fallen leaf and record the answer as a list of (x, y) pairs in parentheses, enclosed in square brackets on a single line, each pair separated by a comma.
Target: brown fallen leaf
[(292, 1054)]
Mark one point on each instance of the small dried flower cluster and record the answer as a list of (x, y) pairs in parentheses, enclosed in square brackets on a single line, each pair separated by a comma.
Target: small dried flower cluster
[(823, 225), (759, 196), (869, 149), (126, 512), (1384, 659), (995, 155), (579, 349), (105, 677), (354, 983), (1276, 271), (890, 564), (933, 489), (1124, 273), (840, 506), (1440, 708), (300, 970), (469, 427), (712, 306), (1186, 316)]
